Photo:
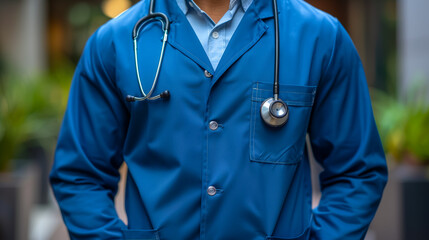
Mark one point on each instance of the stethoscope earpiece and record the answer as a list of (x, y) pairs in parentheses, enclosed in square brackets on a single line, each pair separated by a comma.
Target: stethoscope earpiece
[(130, 98), (164, 95), (275, 113)]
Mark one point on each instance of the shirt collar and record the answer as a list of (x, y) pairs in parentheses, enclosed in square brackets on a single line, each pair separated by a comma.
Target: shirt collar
[(183, 4)]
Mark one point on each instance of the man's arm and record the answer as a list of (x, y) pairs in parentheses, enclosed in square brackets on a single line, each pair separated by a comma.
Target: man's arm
[(85, 173), (345, 141)]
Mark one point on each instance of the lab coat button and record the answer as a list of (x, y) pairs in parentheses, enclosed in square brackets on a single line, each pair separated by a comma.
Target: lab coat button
[(213, 125), (207, 74), (211, 191)]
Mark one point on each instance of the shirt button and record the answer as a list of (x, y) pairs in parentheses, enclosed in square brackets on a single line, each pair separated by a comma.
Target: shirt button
[(211, 191), (213, 125), (207, 74), (215, 35)]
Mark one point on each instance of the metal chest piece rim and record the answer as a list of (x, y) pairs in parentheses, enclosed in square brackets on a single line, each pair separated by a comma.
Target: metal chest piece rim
[(275, 113)]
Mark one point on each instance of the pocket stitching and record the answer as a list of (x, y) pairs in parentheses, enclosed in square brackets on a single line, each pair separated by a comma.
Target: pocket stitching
[(267, 90), (251, 125), (304, 234), (290, 103), (292, 162), (254, 125), (306, 90)]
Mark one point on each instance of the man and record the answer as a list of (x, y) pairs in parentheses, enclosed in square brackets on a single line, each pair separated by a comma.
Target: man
[(203, 164)]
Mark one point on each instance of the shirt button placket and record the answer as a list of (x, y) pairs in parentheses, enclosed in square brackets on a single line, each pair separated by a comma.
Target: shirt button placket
[(215, 34)]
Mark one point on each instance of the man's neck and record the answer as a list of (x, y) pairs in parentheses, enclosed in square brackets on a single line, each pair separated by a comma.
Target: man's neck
[(214, 8)]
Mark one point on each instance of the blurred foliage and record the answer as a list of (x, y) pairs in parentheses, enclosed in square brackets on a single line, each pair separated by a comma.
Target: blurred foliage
[(31, 109), (404, 124)]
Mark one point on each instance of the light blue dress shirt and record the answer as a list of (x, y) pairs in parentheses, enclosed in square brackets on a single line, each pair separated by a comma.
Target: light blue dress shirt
[(214, 37)]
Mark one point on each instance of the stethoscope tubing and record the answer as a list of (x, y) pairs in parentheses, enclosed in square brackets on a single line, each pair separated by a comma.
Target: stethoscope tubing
[(165, 26), (146, 19), (276, 87), (161, 57)]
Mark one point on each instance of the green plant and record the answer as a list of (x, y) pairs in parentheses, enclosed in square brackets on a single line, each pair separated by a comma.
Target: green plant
[(30, 111), (416, 132), (404, 124)]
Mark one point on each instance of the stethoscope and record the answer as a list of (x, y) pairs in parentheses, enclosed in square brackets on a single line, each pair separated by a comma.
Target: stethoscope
[(274, 111)]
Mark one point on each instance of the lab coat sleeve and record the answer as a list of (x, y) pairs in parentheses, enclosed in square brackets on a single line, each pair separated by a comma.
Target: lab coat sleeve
[(345, 141), (85, 176)]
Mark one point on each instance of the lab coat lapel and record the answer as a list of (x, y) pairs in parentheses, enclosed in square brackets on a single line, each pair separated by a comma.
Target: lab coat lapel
[(248, 33), (183, 38)]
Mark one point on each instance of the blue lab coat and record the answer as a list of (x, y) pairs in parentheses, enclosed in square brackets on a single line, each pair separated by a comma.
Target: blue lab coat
[(261, 174)]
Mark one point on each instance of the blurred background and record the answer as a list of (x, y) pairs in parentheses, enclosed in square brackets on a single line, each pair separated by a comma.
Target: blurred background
[(41, 42)]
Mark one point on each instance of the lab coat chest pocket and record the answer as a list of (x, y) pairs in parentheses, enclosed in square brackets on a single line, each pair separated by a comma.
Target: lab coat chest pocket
[(284, 145)]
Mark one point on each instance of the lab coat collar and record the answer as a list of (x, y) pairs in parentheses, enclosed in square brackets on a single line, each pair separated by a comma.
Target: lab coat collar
[(263, 8), (244, 4), (183, 38)]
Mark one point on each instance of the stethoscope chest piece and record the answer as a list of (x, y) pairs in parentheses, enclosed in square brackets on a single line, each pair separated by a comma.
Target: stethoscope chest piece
[(275, 113)]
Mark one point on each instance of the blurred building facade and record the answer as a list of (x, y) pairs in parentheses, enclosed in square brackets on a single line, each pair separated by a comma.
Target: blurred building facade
[(23, 35), (413, 46)]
